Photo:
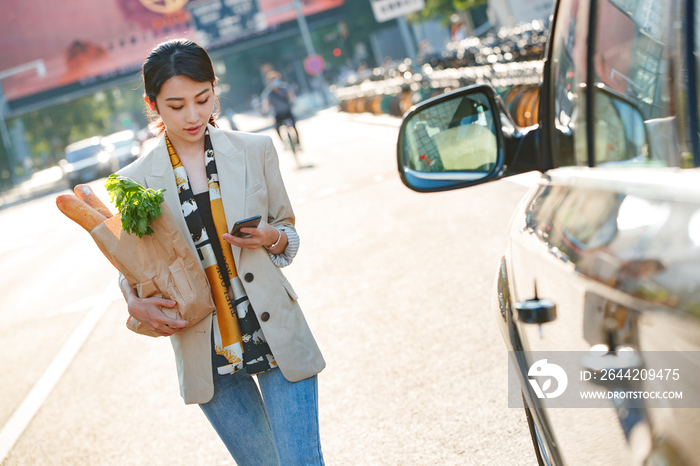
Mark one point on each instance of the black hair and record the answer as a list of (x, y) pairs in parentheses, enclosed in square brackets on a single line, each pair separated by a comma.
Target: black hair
[(177, 57)]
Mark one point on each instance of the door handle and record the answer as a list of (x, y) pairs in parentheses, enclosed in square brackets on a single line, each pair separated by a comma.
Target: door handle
[(536, 310)]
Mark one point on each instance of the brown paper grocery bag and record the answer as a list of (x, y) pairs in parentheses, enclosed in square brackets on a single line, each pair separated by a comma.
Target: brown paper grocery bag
[(159, 265)]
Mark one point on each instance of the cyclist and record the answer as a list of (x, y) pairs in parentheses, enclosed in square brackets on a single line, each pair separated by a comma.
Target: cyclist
[(278, 96)]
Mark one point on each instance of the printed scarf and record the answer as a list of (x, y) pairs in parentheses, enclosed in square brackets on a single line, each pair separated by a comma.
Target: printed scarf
[(237, 333)]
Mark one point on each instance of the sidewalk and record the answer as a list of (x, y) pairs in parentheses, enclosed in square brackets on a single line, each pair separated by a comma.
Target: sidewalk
[(41, 183)]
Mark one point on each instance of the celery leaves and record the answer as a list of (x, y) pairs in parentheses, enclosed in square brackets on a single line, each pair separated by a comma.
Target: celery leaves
[(139, 206)]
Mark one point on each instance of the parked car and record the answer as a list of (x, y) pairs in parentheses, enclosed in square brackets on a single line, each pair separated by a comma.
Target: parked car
[(603, 256), (87, 160), (123, 146)]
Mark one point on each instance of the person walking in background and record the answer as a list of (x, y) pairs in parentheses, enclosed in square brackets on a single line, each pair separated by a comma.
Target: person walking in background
[(212, 178), (279, 97), (458, 30)]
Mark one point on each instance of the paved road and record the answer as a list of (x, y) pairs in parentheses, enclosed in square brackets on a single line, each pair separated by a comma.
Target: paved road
[(396, 286)]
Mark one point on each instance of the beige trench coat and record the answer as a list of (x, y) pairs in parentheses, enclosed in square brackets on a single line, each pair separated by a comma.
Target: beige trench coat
[(251, 184)]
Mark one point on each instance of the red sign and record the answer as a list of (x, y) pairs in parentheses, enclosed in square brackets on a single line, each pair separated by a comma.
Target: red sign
[(314, 64)]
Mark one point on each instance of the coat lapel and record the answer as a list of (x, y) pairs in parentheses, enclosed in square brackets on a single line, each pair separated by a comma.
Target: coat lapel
[(162, 177), (231, 167)]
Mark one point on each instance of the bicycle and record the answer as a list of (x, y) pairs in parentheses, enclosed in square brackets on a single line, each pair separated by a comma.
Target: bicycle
[(290, 141)]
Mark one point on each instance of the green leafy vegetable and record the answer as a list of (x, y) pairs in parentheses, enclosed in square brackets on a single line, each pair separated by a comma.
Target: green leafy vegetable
[(138, 206)]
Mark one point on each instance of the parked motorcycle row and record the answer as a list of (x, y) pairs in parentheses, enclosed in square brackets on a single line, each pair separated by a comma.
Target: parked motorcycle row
[(509, 60)]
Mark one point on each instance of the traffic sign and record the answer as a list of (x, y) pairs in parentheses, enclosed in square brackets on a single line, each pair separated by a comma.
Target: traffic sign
[(384, 10), (314, 64)]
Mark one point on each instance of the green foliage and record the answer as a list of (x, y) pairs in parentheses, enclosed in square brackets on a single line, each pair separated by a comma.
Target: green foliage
[(138, 206), (443, 9), (50, 130)]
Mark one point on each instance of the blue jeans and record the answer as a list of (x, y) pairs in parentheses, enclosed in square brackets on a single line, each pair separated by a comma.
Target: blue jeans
[(281, 430)]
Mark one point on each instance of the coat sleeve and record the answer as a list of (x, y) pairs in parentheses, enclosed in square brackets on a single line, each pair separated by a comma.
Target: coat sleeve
[(280, 213)]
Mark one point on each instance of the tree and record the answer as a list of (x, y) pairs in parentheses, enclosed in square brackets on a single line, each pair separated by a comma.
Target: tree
[(444, 9), (50, 130)]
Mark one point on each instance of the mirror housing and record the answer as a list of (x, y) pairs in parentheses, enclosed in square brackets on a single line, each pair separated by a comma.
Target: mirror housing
[(463, 138)]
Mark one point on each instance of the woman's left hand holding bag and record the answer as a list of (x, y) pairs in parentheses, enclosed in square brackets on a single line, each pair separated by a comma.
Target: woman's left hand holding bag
[(149, 312)]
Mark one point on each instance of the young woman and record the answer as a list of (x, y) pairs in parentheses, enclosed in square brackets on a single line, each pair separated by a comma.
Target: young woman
[(212, 179)]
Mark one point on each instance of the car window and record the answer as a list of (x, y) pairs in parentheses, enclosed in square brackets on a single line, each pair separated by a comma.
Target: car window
[(123, 143), (82, 154), (637, 115), (569, 48)]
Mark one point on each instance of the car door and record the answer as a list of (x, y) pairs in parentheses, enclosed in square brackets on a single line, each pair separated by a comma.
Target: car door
[(604, 252), (611, 236)]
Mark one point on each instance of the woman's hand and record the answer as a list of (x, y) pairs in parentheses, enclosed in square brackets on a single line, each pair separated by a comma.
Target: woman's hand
[(148, 311), (264, 235)]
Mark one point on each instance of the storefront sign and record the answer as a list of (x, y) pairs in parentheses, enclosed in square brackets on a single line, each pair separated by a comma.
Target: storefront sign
[(219, 20), (384, 10)]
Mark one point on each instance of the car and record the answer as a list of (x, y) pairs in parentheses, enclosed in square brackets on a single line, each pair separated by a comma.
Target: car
[(87, 160), (123, 146), (598, 291)]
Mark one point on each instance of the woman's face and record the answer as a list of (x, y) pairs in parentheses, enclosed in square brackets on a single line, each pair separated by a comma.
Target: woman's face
[(185, 107)]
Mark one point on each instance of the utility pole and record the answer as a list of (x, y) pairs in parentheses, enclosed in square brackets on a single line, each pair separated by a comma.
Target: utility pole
[(305, 35), (406, 37), (308, 44), (6, 140)]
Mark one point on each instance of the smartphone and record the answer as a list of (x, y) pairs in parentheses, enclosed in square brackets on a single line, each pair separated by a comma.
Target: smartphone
[(251, 222)]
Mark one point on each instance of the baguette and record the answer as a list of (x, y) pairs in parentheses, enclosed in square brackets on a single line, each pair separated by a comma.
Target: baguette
[(77, 210), (86, 193)]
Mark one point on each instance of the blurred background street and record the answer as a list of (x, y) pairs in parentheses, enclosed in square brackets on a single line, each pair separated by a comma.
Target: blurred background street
[(396, 286)]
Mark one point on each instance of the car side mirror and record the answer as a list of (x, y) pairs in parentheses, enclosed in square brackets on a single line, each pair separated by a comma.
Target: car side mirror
[(450, 141), (461, 139)]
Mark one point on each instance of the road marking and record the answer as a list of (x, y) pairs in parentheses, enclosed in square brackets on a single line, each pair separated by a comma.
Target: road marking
[(78, 305), (325, 192), (27, 409)]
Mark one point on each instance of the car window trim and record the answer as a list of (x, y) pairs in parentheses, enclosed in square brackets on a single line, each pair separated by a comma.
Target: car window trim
[(590, 79), (691, 67)]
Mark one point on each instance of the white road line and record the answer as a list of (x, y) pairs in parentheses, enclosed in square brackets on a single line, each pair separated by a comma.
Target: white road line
[(325, 192), (27, 409), (79, 305)]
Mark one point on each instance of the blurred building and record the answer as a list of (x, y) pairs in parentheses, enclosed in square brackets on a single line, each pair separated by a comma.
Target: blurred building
[(88, 48)]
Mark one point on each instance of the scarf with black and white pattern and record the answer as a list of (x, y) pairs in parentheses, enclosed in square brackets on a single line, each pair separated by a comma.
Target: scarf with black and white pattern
[(237, 333)]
